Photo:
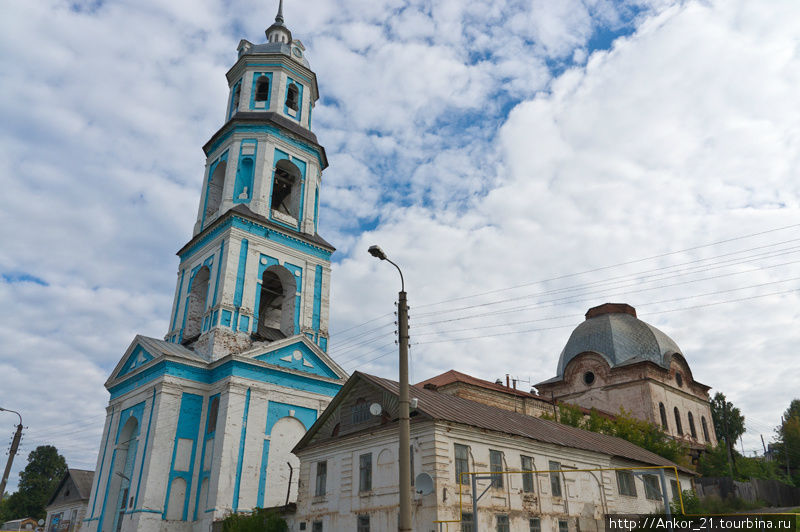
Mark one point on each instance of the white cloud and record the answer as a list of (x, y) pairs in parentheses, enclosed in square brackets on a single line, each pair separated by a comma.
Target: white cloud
[(682, 133)]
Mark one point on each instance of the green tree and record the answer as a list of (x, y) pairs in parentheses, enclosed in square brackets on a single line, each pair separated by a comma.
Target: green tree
[(261, 520), (789, 441), (728, 424), (625, 426), (37, 482)]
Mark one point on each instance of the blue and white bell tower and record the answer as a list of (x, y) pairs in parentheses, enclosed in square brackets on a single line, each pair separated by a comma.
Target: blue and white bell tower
[(258, 212), (202, 423)]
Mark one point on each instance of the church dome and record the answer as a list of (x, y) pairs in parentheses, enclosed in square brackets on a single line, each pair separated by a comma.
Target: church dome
[(613, 331)]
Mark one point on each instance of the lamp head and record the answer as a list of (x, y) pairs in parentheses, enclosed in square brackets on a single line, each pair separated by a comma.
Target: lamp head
[(376, 251)]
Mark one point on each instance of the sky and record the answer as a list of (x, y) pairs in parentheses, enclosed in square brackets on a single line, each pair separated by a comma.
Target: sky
[(522, 161)]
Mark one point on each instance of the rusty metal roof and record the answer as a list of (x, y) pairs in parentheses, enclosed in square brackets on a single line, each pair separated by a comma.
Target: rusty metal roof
[(449, 377), (455, 409)]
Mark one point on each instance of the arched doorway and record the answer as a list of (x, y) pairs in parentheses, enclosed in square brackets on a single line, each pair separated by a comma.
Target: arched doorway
[(119, 499)]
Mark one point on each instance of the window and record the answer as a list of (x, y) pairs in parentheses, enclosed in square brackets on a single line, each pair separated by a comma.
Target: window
[(496, 466), (411, 462), (262, 89), (316, 526), (678, 425), (363, 523), (679, 378), (705, 427), (535, 524), (527, 478), (359, 412), (466, 522), (502, 523), (322, 478), (652, 488), (663, 412), (563, 525), (625, 483), (292, 94), (588, 378), (555, 478), (673, 484), (213, 412), (462, 463), (365, 476), (691, 425)]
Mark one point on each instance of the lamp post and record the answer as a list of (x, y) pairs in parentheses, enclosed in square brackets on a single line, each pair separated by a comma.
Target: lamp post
[(12, 452), (405, 425)]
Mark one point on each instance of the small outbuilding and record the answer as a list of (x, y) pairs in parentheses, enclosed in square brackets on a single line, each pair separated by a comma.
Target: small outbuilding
[(67, 507)]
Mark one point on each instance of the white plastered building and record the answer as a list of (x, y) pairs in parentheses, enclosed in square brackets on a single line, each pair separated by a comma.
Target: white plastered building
[(349, 476), (201, 423)]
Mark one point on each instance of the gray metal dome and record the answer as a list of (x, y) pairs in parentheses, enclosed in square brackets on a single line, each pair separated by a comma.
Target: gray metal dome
[(613, 331)]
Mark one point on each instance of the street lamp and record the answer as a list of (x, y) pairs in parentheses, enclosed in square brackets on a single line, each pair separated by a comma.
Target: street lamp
[(12, 452), (405, 426)]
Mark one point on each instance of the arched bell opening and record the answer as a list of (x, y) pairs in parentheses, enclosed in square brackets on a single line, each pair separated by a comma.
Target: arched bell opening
[(197, 304), (276, 304), (262, 89), (214, 193), (286, 189)]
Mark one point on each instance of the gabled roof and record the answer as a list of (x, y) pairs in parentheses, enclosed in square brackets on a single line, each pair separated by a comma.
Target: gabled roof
[(449, 377), (151, 349), (81, 478), (444, 407)]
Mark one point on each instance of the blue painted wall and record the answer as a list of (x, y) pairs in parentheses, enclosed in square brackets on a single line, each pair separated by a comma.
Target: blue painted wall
[(188, 427)]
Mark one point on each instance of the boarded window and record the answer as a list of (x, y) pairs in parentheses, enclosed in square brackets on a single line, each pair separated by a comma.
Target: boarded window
[(183, 454), (177, 499), (216, 182), (462, 463)]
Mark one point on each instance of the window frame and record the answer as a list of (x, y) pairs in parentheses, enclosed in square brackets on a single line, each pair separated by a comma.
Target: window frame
[(535, 524), (496, 468), (365, 472), (321, 479), (361, 525), (652, 488), (528, 485), (678, 424), (555, 478), (628, 475), (503, 523), (467, 525), (461, 479), (563, 525)]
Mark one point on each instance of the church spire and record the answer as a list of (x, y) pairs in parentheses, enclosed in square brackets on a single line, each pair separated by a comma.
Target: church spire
[(278, 32)]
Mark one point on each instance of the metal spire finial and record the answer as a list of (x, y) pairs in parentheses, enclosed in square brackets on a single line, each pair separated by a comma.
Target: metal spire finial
[(279, 16)]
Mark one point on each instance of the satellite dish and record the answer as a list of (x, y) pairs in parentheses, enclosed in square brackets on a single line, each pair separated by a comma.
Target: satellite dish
[(375, 409), (423, 484)]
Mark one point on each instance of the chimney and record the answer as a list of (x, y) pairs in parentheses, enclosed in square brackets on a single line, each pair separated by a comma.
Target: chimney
[(507, 383)]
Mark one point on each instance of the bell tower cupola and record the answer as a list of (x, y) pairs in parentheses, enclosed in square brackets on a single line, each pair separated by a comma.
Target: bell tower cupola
[(278, 32), (256, 270)]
